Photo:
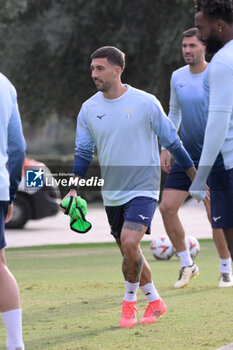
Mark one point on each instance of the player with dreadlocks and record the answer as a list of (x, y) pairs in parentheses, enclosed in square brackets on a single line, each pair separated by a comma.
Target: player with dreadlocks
[(214, 20)]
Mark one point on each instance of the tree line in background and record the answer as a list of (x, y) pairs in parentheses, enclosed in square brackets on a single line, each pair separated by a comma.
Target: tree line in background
[(46, 47)]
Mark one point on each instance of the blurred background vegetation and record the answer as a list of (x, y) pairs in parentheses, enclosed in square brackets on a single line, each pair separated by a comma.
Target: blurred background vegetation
[(46, 47)]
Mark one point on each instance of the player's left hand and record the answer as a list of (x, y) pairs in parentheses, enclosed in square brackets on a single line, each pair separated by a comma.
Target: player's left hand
[(197, 192), (198, 195)]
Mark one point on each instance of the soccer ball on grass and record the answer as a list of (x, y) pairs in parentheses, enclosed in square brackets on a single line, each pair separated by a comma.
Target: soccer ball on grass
[(193, 245), (162, 248)]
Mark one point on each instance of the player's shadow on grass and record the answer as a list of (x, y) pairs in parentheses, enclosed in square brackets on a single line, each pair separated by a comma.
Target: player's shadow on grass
[(189, 290)]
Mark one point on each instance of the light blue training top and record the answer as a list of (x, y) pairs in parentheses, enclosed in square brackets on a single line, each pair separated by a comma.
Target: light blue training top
[(124, 131), (187, 109), (218, 86), (12, 143)]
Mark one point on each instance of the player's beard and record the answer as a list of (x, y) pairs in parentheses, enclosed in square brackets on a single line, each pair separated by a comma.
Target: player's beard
[(213, 44), (103, 87), (196, 60), (188, 59)]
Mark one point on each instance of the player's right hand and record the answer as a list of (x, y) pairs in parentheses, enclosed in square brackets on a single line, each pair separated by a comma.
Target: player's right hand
[(71, 193), (9, 213), (165, 161)]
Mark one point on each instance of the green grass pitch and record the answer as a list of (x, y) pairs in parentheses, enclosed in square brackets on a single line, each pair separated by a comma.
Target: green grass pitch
[(72, 296)]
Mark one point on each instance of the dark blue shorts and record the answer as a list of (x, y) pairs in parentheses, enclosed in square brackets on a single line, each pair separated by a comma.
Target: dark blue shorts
[(221, 198), (140, 210), (3, 212), (177, 179)]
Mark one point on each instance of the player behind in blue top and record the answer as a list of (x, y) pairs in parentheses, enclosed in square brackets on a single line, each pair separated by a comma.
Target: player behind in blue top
[(214, 20), (187, 113), (12, 150), (124, 124)]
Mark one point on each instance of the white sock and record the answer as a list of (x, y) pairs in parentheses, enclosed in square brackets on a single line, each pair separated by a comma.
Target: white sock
[(131, 291), (150, 292), (225, 266), (13, 323), (185, 258)]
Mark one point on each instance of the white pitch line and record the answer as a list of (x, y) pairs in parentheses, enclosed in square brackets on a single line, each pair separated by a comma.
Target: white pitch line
[(227, 347)]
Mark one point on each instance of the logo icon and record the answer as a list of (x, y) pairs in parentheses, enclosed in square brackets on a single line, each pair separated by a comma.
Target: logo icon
[(181, 85), (193, 270), (157, 313), (216, 218), (143, 217), (34, 178), (100, 116)]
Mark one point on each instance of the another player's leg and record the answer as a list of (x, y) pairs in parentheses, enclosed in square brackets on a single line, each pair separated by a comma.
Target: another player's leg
[(171, 202), (9, 293), (10, 306), (227, 199), (225, 269), (228, 232)]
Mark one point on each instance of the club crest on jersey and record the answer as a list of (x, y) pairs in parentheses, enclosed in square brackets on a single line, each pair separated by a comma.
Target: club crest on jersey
[(129, 112)]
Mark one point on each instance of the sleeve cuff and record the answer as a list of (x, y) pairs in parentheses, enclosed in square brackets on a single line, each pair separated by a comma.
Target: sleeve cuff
[(80, 166)]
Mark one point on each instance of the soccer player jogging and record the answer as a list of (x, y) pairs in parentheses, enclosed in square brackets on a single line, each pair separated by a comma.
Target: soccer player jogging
[(187, 110), (124, 123), (12, 151), (214, 20)]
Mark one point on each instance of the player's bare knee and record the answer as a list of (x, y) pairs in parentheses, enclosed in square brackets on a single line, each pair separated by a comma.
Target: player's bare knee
[(167, 210), (129, 247)]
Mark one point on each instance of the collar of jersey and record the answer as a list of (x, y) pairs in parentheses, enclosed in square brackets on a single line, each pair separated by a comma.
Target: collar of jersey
[(122, 97)]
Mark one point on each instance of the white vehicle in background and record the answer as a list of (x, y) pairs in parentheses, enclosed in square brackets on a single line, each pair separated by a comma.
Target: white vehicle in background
[(32, 203)]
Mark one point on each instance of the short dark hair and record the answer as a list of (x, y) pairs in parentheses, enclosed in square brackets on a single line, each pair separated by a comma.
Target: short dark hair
[(190, 32), (222, 9), (114, 55)]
